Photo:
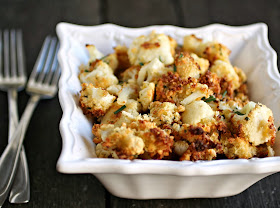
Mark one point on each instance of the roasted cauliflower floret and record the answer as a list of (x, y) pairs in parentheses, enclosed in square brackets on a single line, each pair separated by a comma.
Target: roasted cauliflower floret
[(193, 44), (146, 94), (95, 101), (238, 148), (128, 91), (94, 53), (212, 81), (202, 62), (202, 139), (186, 66), (146, 48), (111, 60), (158, 142), (225, 70), (165, 113), (99, 74), (151, 71), (180, 147), (195, 91), (130, 75), (123, 142), (254, 122), (119, 114), (169, 87), (196, 111), (114, 89), (211, 50)]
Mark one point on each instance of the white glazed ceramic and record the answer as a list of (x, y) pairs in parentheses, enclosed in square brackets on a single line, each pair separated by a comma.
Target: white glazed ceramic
[(150, 179)]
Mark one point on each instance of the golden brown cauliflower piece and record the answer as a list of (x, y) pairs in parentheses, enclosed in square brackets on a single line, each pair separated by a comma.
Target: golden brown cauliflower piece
[(193, 92), (225, 70), (146, 94), (151, 71), (211, 50), (127, 115), (95, 101), (202, 62), (123, 142), (255, 123), (196, 111), (169, 87), (146, 48), (99, 74), (130, 75), (238, 148), (94, 53), (158, 142), (165, 113), (186, 66)]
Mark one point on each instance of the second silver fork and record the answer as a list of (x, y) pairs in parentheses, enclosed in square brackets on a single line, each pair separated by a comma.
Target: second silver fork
[(12, 80)]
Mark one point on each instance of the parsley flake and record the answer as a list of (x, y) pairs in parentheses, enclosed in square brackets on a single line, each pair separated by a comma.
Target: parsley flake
[(239, 113), (181, 55), (210, 99), (141, 63), (160, 59), (86, 70), (120, 109), (224, 94), (174, 68)]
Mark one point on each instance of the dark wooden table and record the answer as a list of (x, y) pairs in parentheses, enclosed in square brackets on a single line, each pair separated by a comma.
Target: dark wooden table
[(38, 18)]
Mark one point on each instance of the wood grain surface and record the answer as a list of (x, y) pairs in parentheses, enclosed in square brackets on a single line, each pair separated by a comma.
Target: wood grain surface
[(38, 18)]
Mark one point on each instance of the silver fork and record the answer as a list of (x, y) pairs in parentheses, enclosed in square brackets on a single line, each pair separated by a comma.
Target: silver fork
[(13, 79), (42, 84)]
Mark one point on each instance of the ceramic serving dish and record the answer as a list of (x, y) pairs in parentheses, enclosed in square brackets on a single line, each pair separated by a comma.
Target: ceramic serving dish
[(150, 179)]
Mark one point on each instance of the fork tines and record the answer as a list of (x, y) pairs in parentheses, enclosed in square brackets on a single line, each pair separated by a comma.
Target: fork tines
[(12, 66), (46, 69)]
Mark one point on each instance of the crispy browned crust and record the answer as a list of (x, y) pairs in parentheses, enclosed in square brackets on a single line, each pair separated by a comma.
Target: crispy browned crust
[(148, 45), (169, 87), (227, 86), (122, 56), (272, 130), (184, 60), (158, 144), (92, 112), (212, 81), (211, 54)]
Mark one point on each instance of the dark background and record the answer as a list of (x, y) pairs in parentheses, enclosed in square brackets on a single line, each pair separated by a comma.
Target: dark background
[(38, 18)]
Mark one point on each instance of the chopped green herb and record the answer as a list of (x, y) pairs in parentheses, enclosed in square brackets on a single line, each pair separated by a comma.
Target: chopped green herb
[(86, 70), (239, 113), (120, 109), (224, 94), (210, 99), (174, 68), (279, 128), (181, 55), (160, 59), (247, 118), (141, 63), (85, 96)]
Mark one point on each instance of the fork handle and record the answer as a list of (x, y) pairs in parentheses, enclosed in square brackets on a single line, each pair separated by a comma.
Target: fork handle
[(10, 156), (20, 191)]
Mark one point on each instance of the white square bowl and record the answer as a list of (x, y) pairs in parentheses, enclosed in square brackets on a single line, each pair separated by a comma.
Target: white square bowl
[(150, 179)]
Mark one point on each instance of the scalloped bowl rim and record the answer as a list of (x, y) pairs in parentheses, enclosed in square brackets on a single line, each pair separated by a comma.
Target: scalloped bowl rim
[(180, 168)]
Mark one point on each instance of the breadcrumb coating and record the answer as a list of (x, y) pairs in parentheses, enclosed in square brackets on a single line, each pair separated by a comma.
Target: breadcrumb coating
[(158, 100), (95, 101)]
